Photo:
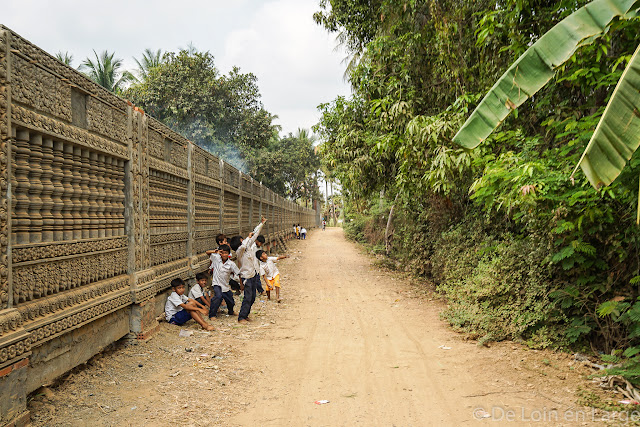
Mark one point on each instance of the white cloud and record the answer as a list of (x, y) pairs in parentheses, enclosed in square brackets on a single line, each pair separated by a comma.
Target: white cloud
[(292, 57)]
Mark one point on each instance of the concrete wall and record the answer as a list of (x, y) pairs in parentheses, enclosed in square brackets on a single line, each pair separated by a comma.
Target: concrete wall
[(102, 207)]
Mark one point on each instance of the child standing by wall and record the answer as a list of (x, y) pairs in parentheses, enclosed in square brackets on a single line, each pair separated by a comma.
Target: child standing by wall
[(247, 269), (270, 272), (179, 309), (303, 232), (221, 270), (260, 240)]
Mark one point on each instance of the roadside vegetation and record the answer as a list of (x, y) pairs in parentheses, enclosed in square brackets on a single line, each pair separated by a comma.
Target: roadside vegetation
[(522, 247)]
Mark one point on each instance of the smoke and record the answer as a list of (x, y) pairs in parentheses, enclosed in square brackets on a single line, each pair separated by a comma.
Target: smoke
[(199, 133)]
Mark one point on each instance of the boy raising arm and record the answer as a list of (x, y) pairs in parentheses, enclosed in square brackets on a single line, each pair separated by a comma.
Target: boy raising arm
[(247, 269)]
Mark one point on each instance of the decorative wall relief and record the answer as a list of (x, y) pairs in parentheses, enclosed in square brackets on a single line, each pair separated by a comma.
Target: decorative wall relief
[(63, 191), (69, 251)]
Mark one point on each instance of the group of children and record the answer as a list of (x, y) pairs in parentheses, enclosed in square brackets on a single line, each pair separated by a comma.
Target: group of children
[(226, 277), (301, 233)]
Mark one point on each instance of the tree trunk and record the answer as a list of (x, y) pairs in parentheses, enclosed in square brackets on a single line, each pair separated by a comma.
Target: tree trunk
[(333, 207), (326, 198), (387, 232)]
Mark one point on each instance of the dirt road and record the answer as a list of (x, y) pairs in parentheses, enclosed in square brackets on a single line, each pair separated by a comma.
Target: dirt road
[(379, 353), (366, 340)]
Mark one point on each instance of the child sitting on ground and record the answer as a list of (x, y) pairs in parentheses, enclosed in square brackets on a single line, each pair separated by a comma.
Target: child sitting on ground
[(199, 291), (269, 271), (179, 309)]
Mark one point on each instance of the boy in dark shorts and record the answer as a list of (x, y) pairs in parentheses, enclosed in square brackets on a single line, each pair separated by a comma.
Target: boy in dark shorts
[(179, 309), (221, 270)]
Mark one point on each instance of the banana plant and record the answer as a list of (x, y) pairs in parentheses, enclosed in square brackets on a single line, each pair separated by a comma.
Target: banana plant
[(539, 64), (617, 135)]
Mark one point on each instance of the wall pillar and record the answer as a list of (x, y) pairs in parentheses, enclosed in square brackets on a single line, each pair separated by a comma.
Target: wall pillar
[(221, 204), (142, 311)]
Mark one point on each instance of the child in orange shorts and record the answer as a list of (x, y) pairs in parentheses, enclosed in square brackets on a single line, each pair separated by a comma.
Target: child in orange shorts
[(269, 271)]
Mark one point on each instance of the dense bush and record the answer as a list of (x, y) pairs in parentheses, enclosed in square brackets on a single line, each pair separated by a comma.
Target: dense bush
[(521, 248)]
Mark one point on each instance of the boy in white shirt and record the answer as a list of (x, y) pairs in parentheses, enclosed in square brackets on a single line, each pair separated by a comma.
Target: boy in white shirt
[(199, 291), (221, 270), (179, 309), (260, 240), (270, 272), (247, 269), (303, 232)]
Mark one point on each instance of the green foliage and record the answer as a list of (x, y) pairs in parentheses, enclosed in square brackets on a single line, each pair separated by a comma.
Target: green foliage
[(538, 64), (497, 289), (106, 71), (354, 229), (519, 249), (224, 115), (359, 18), (289, 166), (65, 57), (150, 59)]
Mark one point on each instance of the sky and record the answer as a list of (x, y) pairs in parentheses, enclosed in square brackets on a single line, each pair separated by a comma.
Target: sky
[(294, 59)]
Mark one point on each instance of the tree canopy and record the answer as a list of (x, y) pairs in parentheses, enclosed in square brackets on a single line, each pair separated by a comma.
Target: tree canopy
[(224, 115)]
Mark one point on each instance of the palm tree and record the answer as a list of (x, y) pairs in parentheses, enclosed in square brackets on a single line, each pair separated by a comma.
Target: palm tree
[(105, 71), (64, 57), (354, 55), (303, 134), (150, 59), (190, 49)]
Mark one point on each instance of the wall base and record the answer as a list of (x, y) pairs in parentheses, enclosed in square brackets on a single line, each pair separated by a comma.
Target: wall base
[(143, 323), (55, 357), (13, 394)]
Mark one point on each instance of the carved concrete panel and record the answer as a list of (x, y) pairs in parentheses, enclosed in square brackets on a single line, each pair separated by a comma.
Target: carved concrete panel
[(230, 216), (105, 205)]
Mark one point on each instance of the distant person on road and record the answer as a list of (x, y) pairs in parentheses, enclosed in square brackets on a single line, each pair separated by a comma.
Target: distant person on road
[(303, 233), (270, 272), (179, 309), (247, 269), (221, 270), (324, 224), (199, 291)]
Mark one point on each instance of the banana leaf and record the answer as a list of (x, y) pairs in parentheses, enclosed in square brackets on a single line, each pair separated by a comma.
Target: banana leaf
[(617, 135), (538, 65)]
